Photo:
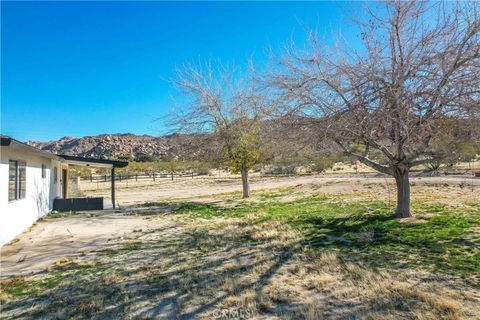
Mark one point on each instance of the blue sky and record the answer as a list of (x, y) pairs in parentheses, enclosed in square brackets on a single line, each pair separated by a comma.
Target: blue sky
[(86, 68)]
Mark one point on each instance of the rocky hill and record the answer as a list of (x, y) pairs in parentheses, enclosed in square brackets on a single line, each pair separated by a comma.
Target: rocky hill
[(129, 146), (283, 136)]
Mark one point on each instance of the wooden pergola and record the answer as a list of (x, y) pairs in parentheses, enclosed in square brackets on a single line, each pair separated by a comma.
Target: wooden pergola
[(97, 163)]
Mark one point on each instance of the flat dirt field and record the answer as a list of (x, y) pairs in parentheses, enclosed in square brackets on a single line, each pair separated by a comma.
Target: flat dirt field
[(309, 247), (129, 193)]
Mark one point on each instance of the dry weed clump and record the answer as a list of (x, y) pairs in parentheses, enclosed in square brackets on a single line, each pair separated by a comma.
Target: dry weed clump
[(4, 297), (276, 233), (311, 310), (280, 293), (375, 294), (321, 281), (9, 283), (231, 285)]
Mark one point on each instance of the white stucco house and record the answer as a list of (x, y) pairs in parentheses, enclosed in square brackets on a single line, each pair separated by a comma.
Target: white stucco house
[(32, 181)]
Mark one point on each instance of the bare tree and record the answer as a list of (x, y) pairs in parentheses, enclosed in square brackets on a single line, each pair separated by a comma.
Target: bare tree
[(227, 106), (419, 64)]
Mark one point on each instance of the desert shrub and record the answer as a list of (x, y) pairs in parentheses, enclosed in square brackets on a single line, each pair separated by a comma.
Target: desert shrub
[(258, 168), (290, 165), (434, 165), (378, 157), (278, 169), (321, 164), (126, 157), (202, 171), (146, 158)]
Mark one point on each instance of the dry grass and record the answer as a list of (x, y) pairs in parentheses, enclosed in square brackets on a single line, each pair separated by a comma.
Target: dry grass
[(206, 264), (213, 263)]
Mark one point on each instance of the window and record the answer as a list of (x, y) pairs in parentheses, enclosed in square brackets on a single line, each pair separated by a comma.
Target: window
[(12, 180), (16, 180), (44, 171), (55, 175)]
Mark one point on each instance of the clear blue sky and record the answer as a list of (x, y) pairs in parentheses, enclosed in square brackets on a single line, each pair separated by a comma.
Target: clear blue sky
[(86, 68)]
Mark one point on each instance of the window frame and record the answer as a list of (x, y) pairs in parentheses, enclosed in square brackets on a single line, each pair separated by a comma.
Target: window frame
[(12, 194), (44, 171), (20, 180)]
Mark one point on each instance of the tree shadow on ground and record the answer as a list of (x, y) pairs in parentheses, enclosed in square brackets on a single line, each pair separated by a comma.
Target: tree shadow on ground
[(177, 273), (383, 241), (199, 269)]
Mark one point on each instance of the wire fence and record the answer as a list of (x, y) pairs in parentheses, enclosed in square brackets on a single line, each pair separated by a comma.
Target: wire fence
[(140, 176), (103, 182), (154, 176), (96, 182)]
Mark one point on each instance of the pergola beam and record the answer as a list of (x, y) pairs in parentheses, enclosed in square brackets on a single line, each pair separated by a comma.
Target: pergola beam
[(99, 163)]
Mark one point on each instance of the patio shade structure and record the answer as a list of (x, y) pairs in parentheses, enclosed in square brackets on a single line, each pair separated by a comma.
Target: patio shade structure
[(98, 163)]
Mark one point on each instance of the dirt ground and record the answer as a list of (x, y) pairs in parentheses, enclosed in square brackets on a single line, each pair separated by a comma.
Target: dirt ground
[(151, 263), (52, 239), (131, 194)]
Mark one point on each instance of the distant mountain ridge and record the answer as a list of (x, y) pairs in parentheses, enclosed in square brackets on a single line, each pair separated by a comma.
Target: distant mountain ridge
[(126, 145), (291, 136)]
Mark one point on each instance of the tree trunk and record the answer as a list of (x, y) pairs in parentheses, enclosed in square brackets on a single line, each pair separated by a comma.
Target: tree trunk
[(403, 193), (245, 183)]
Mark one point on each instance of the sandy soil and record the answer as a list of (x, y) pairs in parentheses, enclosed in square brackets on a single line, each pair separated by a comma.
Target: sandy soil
[(334, 184)]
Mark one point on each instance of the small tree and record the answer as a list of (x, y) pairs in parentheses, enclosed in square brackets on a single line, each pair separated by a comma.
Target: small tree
[(227, 107), (244, 149), (419, 63)]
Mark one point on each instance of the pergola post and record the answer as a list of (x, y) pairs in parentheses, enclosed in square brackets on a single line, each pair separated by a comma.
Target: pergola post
[(113, 187)]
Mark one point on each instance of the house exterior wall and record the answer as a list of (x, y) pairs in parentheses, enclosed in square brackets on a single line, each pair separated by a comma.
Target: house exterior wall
[(17, 216)]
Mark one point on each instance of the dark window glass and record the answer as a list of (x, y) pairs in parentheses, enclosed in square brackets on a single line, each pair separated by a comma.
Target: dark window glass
[(44, 171), (17, 180), (12, 180), (22, 179)]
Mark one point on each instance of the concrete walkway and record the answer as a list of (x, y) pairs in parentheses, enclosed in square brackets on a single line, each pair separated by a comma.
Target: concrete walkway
[(69, 237)]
